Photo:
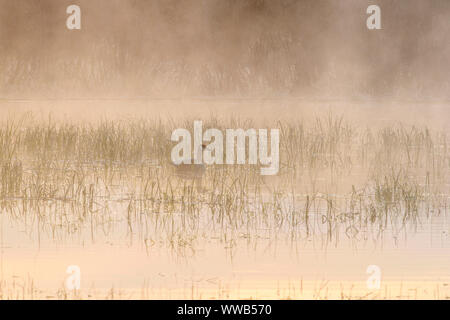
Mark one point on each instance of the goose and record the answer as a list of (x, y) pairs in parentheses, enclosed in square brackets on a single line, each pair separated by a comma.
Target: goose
[(192, 172)]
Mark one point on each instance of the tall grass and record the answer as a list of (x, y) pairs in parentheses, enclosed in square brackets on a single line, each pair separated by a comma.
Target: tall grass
[(62, 178)]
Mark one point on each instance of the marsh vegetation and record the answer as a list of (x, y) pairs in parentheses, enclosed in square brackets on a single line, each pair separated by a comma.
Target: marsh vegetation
[(66, 183)]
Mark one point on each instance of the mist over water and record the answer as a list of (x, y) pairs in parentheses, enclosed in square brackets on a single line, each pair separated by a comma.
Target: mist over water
[(223, 48)]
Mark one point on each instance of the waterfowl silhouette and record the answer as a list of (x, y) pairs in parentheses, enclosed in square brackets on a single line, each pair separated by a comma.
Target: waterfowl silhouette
[(193, 171)]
